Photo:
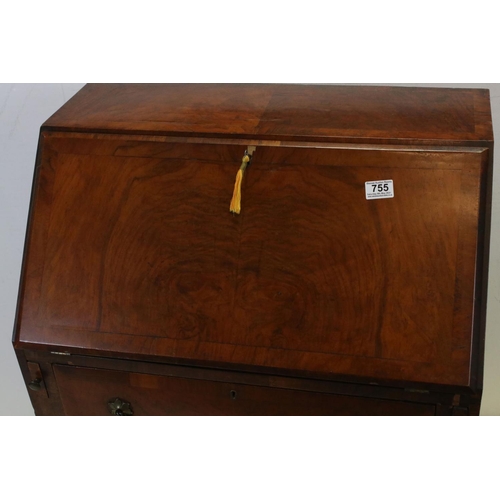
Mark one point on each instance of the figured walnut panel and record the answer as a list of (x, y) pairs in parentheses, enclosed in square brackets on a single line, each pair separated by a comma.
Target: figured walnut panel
[(142, 256)]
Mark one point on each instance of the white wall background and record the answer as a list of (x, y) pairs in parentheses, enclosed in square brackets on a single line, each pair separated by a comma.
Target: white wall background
[(23, 108)]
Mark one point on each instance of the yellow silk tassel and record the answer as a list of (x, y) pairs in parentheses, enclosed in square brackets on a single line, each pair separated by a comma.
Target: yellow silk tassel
[(235, 206)]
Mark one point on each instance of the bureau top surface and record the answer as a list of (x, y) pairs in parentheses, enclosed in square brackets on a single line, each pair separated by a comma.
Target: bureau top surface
[(372, 114)]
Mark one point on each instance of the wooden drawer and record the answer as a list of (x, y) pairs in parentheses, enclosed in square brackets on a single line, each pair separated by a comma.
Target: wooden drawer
[(87, 391)]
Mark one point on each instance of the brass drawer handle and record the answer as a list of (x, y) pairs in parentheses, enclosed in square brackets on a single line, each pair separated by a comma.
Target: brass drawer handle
[(120, 408), (35, 385)]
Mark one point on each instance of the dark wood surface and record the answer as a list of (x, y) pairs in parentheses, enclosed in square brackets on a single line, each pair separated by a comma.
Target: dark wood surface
[(45, 401), (134, 251), (132, 254), (318, 112), (87, 391)]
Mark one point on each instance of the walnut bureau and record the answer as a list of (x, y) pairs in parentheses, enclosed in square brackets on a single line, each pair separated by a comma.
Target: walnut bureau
[(244, 249)]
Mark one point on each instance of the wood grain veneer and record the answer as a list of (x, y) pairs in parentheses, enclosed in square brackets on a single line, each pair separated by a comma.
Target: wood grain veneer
[(132, 252)]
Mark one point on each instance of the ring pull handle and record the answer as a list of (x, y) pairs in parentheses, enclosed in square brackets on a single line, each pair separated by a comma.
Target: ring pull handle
[(120, 408)]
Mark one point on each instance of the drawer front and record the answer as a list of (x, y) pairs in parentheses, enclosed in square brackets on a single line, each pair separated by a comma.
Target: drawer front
[(87, 391)]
